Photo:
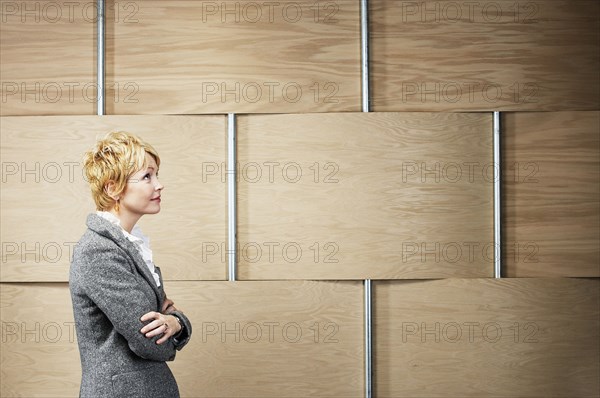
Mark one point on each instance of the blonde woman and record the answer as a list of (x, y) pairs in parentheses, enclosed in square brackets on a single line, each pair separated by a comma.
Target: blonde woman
[(127, 328)]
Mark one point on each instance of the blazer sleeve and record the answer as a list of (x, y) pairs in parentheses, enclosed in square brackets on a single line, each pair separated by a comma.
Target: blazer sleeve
[(107, 278), (181, 339)]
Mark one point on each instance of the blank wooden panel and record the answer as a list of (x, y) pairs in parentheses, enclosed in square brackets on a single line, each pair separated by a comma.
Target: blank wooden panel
[(355, 196), (250, 339), (242, 56), (487, 338), (270, 317), (39, 355), (551, 194), (45, 198), (48, 58), (490, 55)]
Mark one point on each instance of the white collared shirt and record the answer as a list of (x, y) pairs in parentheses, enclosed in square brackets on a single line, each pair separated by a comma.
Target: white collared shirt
[(141, 241)]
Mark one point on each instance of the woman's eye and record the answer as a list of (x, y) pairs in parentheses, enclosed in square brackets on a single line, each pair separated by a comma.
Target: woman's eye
[(147, 176)]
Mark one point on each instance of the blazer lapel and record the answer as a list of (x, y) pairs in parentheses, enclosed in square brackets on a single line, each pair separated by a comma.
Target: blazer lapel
[(105, 228)]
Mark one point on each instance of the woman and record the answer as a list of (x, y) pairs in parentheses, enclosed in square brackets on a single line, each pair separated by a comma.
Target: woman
[(126, 326)]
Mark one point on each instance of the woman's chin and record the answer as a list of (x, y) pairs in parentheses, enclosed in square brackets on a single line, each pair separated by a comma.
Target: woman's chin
[(154, 210)]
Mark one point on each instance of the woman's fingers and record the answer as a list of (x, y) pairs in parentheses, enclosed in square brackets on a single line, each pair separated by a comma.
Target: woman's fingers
[(151, 328), (164, 338), (169, 309), (158, 326), (166, 304), (149, 315)]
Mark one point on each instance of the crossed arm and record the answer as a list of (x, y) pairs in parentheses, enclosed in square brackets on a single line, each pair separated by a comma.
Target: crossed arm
[(117, 292), (163, 322)]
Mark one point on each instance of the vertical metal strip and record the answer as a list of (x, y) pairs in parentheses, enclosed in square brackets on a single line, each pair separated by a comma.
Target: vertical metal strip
[(368, 343), (100, 50), (497, 199), (364, 47), (364, 50), (231, 196)]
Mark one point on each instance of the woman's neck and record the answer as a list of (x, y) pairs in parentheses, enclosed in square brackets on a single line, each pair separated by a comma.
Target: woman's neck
[(126, 220)]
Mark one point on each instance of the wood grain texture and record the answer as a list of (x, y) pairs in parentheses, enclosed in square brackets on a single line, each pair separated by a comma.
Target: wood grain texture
[(357, 196), (39, 355), (551, 194), (234, 56), (250, 339), (487, 338), (45, 198), (48, 58), (272, 364), (492, 55)]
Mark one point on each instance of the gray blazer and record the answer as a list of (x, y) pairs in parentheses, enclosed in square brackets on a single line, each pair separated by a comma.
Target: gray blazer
[(111, 288)]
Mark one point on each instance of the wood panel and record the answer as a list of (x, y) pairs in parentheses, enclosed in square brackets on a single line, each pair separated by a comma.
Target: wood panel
[(243, 57), (251, 339), (355, 196), (490, 55), (487, 338), (551, 194), (45, 198), (329, 364), (48, 58), (39, 355)]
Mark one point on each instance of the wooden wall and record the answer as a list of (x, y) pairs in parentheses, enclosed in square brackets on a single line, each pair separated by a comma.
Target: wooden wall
[(48, 58), (45, 197), (551, 194), (489, 55), (252, 339), (235, 56), (359, 196), (327, 196), (183, 57), (487, 338)]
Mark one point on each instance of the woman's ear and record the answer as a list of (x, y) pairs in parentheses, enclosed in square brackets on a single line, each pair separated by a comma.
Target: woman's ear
[(109, 188)]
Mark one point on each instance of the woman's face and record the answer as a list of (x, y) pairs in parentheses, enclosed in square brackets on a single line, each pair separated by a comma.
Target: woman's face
[(142, 194)]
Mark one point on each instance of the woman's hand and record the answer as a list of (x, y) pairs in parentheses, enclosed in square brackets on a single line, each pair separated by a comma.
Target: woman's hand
[(168, 306), (164, 324)]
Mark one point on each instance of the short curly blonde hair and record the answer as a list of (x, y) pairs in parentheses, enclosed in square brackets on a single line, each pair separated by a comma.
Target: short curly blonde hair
[(115, 158)]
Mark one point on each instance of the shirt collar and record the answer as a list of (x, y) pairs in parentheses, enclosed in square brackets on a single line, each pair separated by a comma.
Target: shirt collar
[(136, 236)]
